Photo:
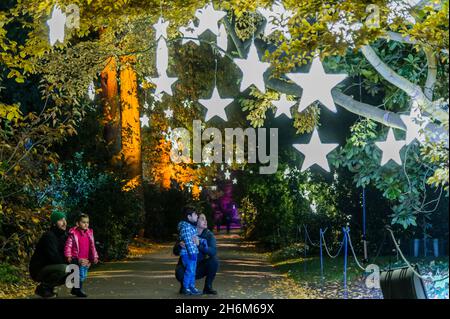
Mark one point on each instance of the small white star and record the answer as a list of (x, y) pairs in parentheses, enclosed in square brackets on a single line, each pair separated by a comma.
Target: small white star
[(144, 121), (284, 106), (390, 149), (161, 28), (315, 152), (91, 91), (163, 84), (252, 70), (317, 85), (168, 113), (227, 174), (57, 25), (235, 181), (189, 32)]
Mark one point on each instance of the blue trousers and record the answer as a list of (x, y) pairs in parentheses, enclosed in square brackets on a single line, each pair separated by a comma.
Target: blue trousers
[(83, 273), (190, 265)]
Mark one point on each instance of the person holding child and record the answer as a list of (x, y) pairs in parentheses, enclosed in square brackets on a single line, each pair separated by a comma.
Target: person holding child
[(80, 250)]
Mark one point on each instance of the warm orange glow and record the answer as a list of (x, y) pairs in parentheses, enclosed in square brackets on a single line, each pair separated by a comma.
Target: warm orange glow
[(131, 127)]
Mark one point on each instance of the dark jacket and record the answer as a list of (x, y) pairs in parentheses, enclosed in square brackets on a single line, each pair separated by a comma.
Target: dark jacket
[(49, 251)]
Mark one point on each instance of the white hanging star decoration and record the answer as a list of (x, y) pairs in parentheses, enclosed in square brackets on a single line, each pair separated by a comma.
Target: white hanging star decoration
[(222, 40), (163, 84), (252, 70), (57, 25), (209, 19), (227, 174), (317, 85), (144, 121), (190, 32), (415, 124), (284, 106), (277, 18), (215, 106), (315, 152), (168, 113), (161, 28), (390, 149), (235, 181), (91, 91)]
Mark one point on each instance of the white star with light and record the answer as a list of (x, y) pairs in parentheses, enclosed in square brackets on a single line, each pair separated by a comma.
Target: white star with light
[(315, 152), (215, 106), (190, 32), (317, 85), (161, 28), (277, 18), (163, 84), (415, 124), (390, 149), (235, 181), (284, 106), (168, 113), (252, 70), (57, 25), (209, 19), (144, 121), (227, 174), (222, 40)]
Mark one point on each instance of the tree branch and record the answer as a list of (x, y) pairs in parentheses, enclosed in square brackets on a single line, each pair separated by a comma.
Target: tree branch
[(237, 42), (432, 73)]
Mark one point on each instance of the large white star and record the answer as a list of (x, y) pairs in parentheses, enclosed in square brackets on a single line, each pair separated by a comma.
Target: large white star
[(56, 25), (189, 32), (163, 84), (209, 18), (216, 106), (415, 124), (283, 106), (390, 149), (317, 85), (161, 28), (253, 70), (277, 18), (315, 152)]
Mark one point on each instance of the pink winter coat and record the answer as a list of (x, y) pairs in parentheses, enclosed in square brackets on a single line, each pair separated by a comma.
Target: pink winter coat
[(71, 248)]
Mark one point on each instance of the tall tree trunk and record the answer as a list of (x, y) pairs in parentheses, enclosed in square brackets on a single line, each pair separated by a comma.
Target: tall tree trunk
[(131, 129), (111, 107)]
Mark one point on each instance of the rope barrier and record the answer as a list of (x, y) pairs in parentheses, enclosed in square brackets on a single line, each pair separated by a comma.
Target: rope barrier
[(309, 238), (353, 251), (326, 247)]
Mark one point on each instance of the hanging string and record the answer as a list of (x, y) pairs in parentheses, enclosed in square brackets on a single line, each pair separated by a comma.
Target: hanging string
[(215, 72)]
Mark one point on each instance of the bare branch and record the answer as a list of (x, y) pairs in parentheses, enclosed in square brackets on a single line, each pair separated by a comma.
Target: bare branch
[(432, 73)]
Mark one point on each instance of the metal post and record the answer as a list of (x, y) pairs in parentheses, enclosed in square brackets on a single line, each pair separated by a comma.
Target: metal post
[(364, 225), (321, 254), (304, 262), (345, 229)]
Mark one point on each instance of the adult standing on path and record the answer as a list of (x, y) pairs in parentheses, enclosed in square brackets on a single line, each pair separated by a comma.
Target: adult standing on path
[(48, 265), (208, 263)]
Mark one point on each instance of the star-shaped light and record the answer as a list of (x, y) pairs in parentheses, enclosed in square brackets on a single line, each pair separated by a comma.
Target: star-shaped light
[(163, 84), (315, 152), (209, 18), (216, 106), (168, 113), (57, 25), (277, 18), (390, 149), (222, 40), (227, 174), (284, 106), (144, 121), (317, 85), (235, 181), (252, 70), (189, 32), (415, 124), (161, 28)]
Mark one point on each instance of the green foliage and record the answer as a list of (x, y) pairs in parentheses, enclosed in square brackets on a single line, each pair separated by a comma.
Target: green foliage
[(78, 187), (9, 274)]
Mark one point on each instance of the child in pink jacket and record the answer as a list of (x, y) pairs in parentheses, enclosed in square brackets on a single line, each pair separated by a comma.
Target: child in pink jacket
[(80, 249)]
